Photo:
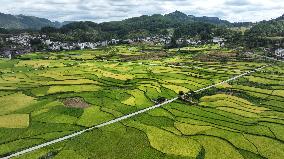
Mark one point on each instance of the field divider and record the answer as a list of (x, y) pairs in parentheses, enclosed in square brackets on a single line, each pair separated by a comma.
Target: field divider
[(270, 58), (122, 117)]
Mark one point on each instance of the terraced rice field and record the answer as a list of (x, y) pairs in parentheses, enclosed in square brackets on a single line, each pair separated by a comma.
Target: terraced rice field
[(240, 119)]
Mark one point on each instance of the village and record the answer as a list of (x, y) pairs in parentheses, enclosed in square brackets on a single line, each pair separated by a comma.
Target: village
[(24, 43)]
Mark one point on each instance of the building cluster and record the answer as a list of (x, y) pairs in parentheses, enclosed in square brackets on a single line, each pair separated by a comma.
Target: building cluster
[(192, 41), (23, 39), (154, 40), (22, 43), (218, 40), (181, 41), (12, 52), (164, 40), (59, 46)]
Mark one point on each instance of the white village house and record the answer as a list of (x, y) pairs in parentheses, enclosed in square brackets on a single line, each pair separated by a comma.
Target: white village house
[(218, 40), (279, 53)]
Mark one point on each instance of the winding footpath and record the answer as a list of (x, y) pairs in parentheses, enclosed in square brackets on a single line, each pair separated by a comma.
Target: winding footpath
[(122, 117)]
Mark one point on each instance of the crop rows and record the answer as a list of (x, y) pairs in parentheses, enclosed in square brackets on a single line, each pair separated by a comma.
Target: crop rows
[(240, 119)]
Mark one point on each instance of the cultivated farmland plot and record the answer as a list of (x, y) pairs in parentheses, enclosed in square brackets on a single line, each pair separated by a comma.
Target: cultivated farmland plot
[(45, 97)]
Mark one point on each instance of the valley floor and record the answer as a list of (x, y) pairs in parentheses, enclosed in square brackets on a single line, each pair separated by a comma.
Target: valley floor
[(45, 96)]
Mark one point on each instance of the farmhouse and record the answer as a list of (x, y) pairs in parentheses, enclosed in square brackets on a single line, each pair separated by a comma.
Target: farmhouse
[(218, 40), (10, 53), (279, 53), (113, 42), (193, 42)]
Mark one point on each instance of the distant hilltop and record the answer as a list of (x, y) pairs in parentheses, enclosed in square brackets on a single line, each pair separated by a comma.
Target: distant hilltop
[(9, 21)]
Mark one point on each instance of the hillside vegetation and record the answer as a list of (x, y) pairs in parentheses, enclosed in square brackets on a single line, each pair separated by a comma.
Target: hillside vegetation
[(25, 22)]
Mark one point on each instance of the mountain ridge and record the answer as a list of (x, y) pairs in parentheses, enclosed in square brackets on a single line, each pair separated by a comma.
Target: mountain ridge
[(9, 21), (21, 21), (270, 28)]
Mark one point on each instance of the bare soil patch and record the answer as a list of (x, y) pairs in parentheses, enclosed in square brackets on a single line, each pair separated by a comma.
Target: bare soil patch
[(75, 103), (154, 55), (144, 56), (216, 57)]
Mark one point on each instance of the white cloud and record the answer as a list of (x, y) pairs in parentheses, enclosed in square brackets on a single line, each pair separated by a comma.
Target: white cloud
[(109, 10)]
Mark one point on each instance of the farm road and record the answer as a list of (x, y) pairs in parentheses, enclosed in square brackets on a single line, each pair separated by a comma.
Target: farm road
[(123, 117)]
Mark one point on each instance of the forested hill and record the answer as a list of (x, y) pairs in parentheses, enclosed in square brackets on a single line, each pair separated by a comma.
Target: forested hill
[(271, 28), (142, 26), (172, 20), (268, 34), (179, 16), (8, 21), (280, 18)]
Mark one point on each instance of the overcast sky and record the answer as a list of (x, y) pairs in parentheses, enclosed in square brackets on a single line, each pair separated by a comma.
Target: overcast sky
[(109, 10)]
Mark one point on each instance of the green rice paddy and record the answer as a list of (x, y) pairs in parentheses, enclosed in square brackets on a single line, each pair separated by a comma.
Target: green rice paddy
[(242, 119)]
